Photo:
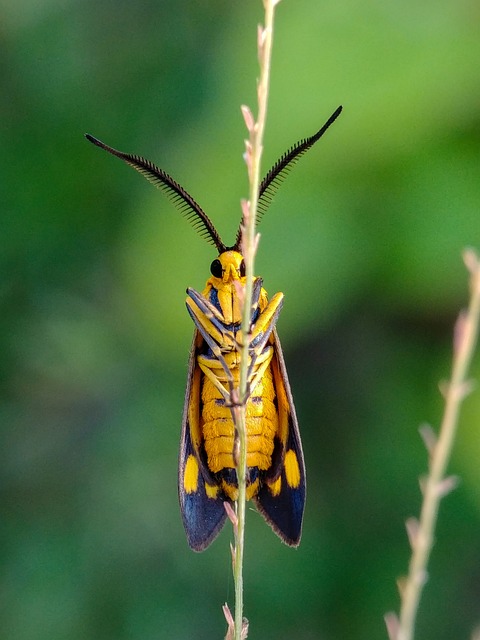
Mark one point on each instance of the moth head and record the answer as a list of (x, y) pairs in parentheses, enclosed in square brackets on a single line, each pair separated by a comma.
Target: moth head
[(229, 266)]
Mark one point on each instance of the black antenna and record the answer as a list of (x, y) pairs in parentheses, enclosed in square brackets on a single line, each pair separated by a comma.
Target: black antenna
[(281, 169), (176, 193)]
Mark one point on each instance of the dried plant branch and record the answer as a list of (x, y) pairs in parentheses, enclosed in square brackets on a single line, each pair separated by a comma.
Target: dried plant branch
[(253, 155), (437, 484)]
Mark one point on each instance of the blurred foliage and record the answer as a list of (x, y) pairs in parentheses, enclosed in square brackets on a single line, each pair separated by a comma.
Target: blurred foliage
[(365, 240)]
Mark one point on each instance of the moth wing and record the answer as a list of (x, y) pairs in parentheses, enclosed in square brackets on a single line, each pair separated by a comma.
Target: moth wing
[(203, 511), (281, 498)]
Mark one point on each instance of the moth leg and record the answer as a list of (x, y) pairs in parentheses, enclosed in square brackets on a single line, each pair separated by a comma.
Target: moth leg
[(262, 330), (207, 320), (205, 315), (207, 365), (257, 368)]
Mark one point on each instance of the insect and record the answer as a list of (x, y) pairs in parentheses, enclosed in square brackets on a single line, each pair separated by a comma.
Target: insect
[(207, 469)]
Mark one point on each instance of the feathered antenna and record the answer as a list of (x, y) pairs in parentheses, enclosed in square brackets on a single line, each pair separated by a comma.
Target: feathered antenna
[(175, 192), (280, 170)]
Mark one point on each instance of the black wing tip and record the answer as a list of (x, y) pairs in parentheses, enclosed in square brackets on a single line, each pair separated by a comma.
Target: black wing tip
[(202, 542), (289, 531), (201, 531)]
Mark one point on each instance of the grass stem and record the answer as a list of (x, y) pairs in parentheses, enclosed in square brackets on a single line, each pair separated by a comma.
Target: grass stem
[(254, 149), (437, 484)]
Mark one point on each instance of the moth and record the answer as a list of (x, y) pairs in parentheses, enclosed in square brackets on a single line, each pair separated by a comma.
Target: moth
[(207, 476)]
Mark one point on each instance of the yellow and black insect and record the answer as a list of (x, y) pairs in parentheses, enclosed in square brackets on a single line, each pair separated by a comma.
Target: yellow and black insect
[(207, 470)]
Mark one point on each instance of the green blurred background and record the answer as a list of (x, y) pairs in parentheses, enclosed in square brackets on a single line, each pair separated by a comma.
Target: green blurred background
[(365, 240)]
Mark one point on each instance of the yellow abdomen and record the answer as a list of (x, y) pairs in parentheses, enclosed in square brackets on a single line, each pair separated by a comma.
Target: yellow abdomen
[(219, 431)]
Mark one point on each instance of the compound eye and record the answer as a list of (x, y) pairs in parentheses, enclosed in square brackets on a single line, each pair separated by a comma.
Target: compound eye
[(216, 268), (242, 269)]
